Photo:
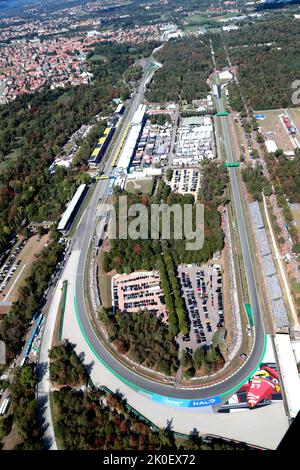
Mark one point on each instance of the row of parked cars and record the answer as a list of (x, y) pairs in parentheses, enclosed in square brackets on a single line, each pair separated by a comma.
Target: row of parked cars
[(186, 179), (203, 294), (195, 177), (220, 298), (193, 309), (140, 304), (177, 177), (9, 268)]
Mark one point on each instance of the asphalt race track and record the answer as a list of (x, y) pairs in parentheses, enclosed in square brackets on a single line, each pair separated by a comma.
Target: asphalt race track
[(84, 236)]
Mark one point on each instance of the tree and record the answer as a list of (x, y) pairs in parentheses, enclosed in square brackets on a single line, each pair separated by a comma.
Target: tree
[(65, 366), (189, 373), (296, 247), (260, 139), (186, 359), (169, 174), (5, 426), (198, 358), (40, 230)]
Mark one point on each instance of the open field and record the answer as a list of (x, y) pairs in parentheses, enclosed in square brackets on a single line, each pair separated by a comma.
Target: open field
[(223, 16), (199, 20), (273, 128), (12, 439), (196, 22), (104, 283), (295, 208), (23, 261), (65, 97), (98, 58), (142, 186)]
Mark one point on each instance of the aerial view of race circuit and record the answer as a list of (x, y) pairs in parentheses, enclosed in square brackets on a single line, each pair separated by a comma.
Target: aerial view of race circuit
[(149, 226)]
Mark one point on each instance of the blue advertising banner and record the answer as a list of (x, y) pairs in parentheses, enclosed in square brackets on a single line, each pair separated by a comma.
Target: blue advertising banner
[(260, 117), (186, 403)]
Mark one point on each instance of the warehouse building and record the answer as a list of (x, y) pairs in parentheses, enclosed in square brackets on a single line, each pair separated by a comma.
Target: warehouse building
[(69, 214)]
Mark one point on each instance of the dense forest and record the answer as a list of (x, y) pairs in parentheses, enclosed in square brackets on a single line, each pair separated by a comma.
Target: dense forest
[(214, 181), (205, 359), (14, 324), (285, 177), (177, 320), (256, 182), (267, 55), (186, 66), (35, 127), (96, 420), (65, 366), (24, 415), (143, 337), (165, 254), (130, 255), (285, 173)]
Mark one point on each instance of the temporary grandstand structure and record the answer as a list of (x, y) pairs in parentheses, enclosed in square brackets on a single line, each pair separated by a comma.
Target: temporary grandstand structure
[(269, 270), (132, 139), (68, 215), (101, 147)]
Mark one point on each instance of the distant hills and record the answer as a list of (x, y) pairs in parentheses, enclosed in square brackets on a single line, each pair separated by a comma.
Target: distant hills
[(276, 4)]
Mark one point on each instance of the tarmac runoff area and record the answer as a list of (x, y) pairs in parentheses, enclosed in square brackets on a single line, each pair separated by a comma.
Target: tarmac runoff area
[(44, 385), (263, 427)]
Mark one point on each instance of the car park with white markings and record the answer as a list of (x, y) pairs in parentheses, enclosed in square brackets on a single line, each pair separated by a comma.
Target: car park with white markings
[(202, 292)]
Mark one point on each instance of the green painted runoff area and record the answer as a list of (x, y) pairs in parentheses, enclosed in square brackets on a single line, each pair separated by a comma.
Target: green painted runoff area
[(249, 314)]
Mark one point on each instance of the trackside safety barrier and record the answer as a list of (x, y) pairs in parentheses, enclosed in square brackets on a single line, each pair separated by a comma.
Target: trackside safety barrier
[(62, 310), (160, 398)]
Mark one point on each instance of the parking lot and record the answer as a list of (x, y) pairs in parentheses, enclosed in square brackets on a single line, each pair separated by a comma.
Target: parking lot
[(139, 291), (186, 181), (202, 292), (9, 268), (17, 267)]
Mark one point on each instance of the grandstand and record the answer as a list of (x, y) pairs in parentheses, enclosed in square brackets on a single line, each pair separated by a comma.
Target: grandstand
[(269, 270), (114, 162), (256, 215), (70, 212), (127, 151), (263, 242), (101, 147), (268, 265)]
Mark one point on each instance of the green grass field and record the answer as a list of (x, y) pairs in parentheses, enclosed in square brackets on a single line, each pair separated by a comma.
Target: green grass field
[(295, 286), (105, 290), (98, 58), (194, 21), (64, 98), (140, 186), (104, 283)]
